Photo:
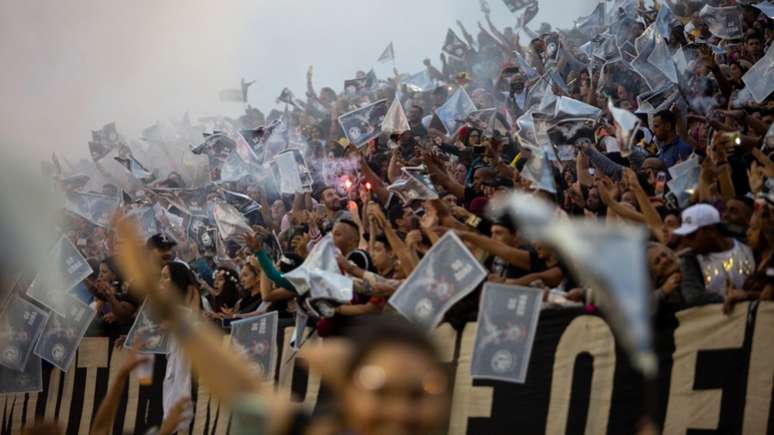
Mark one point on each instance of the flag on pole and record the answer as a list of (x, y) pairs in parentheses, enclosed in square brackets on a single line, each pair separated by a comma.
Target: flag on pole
[(388, 55)]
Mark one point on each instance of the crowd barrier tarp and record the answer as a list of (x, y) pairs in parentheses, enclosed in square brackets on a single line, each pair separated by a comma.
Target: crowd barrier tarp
[(716, 376)]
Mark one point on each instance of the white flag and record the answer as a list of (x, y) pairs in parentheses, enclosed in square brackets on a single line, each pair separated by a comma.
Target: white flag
[(626, 125), (388, 54), (395, 121), (759, 79), (725, 22)]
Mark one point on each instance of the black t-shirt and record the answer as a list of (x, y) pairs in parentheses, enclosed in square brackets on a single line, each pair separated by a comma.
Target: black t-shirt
[(249, 303), (502, 268)]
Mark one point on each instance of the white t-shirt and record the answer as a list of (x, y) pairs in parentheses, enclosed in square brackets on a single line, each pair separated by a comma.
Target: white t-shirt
[(177, 384), (733, 267)]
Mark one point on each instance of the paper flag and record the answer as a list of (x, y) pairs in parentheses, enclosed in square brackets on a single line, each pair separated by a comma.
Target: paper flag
[(507, 321), (395, 121), (388, 54), (364, 124), (725, 22), (759, 79), (256, 338), (21, 324), (445, 275), (455, 110), (63, 334)]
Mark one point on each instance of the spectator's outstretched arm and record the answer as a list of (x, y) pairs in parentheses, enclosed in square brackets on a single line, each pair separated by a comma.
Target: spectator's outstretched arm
[(377, 184), (607, 194), (652, 218), (601, 161), (106, 414), (407, 262), (444, 179), (515, 256), (551, 277)]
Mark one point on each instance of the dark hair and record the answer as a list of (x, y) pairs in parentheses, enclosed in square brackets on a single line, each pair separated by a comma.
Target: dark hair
[(369, 333), (753, 35), (229, 294), (318, 194), (110, 263), (231, 282), (381, 238), (417, 106), (181, 276), (349, 222), (668, 117)]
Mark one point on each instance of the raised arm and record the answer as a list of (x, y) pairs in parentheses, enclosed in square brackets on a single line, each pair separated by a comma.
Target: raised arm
[(515, 256), (106, 414)]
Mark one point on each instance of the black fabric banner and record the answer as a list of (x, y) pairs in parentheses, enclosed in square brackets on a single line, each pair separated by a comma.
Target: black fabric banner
[(716, 376)]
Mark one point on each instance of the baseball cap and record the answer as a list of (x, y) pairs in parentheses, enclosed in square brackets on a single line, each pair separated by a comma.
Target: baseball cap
[(160, 241), (697, 216)]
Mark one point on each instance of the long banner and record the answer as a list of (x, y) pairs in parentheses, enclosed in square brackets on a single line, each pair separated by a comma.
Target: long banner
[(716, 375)]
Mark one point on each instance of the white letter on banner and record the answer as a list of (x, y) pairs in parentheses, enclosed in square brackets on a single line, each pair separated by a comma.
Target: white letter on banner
[(584, 334), (760, 374), (702, 328), (468, 401)]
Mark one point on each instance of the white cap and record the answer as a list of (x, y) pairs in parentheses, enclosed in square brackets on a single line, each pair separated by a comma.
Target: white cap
[(697, 216)]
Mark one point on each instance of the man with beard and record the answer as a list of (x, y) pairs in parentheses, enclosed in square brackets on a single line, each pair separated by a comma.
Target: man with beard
[(333, 208), (736, 217), (415, 121)]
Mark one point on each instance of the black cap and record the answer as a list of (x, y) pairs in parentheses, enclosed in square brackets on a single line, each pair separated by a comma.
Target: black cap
[(160, 241)]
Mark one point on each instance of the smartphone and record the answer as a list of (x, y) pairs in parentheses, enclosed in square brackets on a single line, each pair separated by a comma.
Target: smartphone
[(661, 179)]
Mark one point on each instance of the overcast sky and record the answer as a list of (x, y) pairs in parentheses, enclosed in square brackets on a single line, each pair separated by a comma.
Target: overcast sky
[(71, 66)]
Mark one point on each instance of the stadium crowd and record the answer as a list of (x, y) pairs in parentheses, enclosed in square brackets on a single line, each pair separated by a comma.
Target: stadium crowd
[(657, 116)]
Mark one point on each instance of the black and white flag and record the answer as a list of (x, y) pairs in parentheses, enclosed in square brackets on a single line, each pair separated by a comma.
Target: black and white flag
[(65, 268), (759, 79), (515, 5), (388, 55), (319, 275), (291, 173), (147, 329), (62, 335), (723, 22), (135, 168), (256, 338), (507, 321), (28, 380), (455, 110), (287, 97), (230, 222), (364, 124), (414, 184), (454, 46), (21, 324), (446, 274)]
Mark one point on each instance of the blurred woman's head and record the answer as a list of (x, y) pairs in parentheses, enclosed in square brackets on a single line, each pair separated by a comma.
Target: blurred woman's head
[(226, 281), (248, 277), (395, 383), (177, 277), (662, 261), (108, 271)]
